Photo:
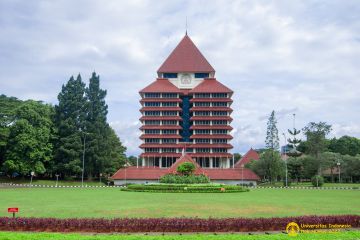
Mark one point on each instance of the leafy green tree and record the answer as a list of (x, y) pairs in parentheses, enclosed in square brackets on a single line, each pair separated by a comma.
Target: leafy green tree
[(29, 146), (132, 160), (345, 145), (70, 123), (186, 168), (316, 139), (237, 157), (269, 167), (295, 168)]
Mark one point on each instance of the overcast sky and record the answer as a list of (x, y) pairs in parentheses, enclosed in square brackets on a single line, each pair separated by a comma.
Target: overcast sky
[(298, 57)]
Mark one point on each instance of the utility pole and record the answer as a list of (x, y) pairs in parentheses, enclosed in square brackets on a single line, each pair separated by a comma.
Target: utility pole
[(83, 162), (286, 170)]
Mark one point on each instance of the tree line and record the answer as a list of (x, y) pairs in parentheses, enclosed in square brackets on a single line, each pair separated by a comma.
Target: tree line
[(47, 140), (315, 156)]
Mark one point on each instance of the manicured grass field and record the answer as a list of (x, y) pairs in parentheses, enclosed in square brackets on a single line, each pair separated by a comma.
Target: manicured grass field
[(58, 236), (50, 182), (308, 184), (111, 202)]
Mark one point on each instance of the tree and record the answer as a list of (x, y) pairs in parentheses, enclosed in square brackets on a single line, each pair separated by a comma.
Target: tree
[(237, 157), (272, 134), (132, 160), (269, 166), (345, 145), (316, 139), (29, 146), (294, 141), (186, 168), (295, 168), (70, 123)]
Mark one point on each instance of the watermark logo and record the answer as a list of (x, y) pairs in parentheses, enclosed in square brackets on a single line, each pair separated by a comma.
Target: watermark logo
[(292, 229)]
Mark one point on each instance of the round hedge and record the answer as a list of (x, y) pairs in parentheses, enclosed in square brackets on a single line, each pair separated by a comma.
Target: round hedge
[(185, 188)]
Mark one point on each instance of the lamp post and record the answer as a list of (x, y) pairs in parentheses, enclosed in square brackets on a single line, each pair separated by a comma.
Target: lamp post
[(57, 179), (338, 164), (32, 175), (286, 170), (83, 158), (242, 174)]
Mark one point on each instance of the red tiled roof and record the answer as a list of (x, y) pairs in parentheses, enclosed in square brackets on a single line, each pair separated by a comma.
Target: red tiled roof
[(227, 127), (220, 109), (230, 174), (183, 159), (204, 145), (161, 85), (211, 85), (210, 154), (186, 57), (160, 109), (146, 173), (217, 136), (148, 154), (211, 100), (154, 145), (143, 136), (211, 118), (250, 155), (160, 118), (160, 100), (160, 127)]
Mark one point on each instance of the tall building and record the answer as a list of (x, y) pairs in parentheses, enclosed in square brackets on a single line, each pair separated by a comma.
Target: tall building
[(186, 118), (186, 109)]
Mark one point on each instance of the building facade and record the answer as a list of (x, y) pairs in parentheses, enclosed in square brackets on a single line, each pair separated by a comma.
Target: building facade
[(186, 109)]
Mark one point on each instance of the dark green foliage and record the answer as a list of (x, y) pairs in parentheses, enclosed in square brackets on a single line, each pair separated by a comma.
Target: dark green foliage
[(237, 157), (186, 168), (317, 181), (185, 188), (345, 145), (272, 136), (188, 179), (29, 146), (269, 167)]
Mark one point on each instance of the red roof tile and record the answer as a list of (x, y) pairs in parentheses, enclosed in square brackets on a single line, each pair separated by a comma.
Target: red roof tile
[(161, 85), (160, 127), (143, 136), (146, 173), (148, 154), (227, 127), (160, 109), (211, 85), (160, 118), (160, 100), (228, 118), (230, 174), (217, 136), (220, 109), (211, 100), (186, 57), (248, 157)]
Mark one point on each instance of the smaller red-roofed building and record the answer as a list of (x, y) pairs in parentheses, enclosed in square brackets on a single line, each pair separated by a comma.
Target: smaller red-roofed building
[(248, 157)]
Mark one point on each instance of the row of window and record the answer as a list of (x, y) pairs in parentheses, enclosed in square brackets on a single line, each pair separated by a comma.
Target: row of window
[(160, 104), (171, 140), (159, 95), (207, 131), (208, 104), (157, 140), (207, 122), (158, 122), (175, 75), (209, 95), (213, 113), (157, 131), (157, 113), (198, 150)]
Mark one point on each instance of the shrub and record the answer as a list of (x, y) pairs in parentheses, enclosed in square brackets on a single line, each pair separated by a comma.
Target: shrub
[(160, 225), (186, 168), (317, 181), (173, 178)]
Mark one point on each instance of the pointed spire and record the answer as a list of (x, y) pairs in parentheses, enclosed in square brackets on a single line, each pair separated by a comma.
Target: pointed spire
[(186, 57)]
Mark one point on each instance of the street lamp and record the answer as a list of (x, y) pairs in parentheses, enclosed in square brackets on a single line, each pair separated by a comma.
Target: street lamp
[(286, 170), (338, 164), (57, 179)]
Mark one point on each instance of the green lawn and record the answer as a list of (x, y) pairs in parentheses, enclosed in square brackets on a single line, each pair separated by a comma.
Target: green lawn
[(51, 182), (111, 202), (58, 236), (308, 184)]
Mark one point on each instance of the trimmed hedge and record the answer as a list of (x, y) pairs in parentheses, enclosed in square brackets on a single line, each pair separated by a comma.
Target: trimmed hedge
[(185, 179), (185, 188), (168, 224)]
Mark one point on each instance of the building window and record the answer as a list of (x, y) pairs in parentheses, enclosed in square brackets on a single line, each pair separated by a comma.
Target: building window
[(169, 122), (201, 75), (169, 113), (202, 140), (152, 122), (202, 122), (202, 95), (219, 95), (219, 104), (169, 131), (202, 104), (219, 131), (219, 113), (169, 140), (152, 131), (152, 140), (169, 150), (219, 140), (169, 75), (152, 95), (203, 150), (202, 113), (219, 122), (152, 149), (202, 131), (169, 95), (152, 113), (169, 104), (219, 150), (152, 104)]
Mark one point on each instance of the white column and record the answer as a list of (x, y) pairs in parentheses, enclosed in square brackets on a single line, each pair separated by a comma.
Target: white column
[(160, 162), (211, 163)]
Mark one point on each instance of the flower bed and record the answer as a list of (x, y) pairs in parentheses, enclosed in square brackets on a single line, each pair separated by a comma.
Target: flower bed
[(185, 188), (168, 224)]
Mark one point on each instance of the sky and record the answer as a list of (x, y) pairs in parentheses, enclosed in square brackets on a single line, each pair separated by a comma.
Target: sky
[(294, 57)]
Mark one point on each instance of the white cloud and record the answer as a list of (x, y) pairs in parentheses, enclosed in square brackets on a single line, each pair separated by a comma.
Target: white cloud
[(287, 56)]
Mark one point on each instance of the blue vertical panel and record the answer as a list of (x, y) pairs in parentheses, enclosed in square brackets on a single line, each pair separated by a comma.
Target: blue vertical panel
[(185, 119)]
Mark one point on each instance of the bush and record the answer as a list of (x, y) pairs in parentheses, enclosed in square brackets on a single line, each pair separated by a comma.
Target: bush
[(186, 168), (317, 181), (160, 225), (188, 179), (185, 188)]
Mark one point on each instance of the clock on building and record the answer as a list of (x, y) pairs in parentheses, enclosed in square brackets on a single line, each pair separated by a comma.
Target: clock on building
[(185, 79)]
